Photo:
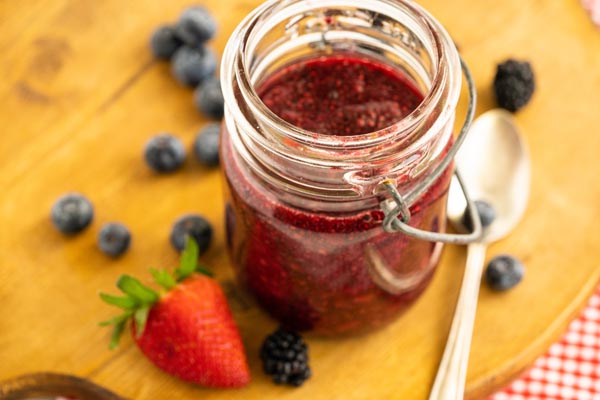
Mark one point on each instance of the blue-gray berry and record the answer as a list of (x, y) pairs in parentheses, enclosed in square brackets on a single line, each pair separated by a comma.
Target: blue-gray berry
[(192, 65), (504, 272), (487, 215), (114, 239), (196, 25), (206, 145), (209, 98), (164, 42), (195, 226), (72, 213), (164, 153)]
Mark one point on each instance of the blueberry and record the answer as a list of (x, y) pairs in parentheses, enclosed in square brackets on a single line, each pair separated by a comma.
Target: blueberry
[(193, 65), (164, 153), (196, 25), (72, 213), (487, 215), (195, 226), (206, 145), (114, 239), (164, 42), (209, 98), (504, 272)]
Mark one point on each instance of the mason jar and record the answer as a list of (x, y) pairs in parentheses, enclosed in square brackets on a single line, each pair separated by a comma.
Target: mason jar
[(324, 101)]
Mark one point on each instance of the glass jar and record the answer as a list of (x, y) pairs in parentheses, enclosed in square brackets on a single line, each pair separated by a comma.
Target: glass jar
[(303, 217)]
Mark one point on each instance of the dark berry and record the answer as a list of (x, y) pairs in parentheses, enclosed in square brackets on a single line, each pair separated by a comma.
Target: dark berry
[(164, 153), (504, 272), (209, 98), (196, 25), (206, 145), (114, 239), (285, 358), (514, 84), (487, 215), (164, 42), (72, 213), (195, 226), (193, 65)]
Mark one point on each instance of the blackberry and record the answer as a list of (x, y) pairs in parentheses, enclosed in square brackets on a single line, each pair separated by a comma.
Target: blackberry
[(196, 25), (285, 358), (487, 215), (72, 213), (164, 153), (514, 84), (206, 145), (192, 65), (209, 98), (197, 227), (114, 239), (504, 272), (164, 42)]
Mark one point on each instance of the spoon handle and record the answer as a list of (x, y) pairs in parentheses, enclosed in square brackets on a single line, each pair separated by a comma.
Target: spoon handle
[(450, 380)]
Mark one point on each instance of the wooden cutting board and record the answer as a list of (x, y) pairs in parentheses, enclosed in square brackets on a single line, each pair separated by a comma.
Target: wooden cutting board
[(80, 94)]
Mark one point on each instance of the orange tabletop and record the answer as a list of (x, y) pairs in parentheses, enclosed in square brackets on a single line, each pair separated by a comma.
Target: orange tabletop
[(80, 94)]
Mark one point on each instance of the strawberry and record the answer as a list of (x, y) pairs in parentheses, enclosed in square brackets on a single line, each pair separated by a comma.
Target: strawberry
[(188, 330)]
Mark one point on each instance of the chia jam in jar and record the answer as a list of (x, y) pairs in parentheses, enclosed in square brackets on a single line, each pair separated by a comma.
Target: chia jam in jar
[(324, 100)]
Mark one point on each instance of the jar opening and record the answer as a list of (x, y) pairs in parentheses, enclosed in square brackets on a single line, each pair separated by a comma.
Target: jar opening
[(397, 33)]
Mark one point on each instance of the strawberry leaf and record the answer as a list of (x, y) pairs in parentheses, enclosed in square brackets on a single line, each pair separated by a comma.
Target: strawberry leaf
[(119, 323), (124, 302), (163, 278), (189, 259), (117, 319), (118, 330), (201, 269), (136, 290), (140, 316), (112, 321)]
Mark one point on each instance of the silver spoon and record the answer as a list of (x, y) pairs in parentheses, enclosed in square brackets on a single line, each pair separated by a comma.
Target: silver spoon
[(494, 164)]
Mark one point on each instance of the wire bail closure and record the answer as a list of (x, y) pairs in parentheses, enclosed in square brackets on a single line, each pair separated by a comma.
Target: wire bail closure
[(397, 214)]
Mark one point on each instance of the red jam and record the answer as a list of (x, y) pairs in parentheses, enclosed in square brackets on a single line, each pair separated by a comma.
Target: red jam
[(340, 95), (314, 270)]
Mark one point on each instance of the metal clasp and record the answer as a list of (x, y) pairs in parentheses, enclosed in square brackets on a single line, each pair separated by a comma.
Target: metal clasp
[(397, 215)]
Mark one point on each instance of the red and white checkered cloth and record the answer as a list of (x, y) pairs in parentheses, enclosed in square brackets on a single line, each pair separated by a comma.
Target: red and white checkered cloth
[(570, 370), (593, 8)]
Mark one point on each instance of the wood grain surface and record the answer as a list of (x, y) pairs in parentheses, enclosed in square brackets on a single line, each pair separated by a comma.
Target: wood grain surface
[(79, 96)]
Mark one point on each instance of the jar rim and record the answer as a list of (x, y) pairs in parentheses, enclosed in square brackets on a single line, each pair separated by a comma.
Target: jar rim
[(446, 67), (330, 167)]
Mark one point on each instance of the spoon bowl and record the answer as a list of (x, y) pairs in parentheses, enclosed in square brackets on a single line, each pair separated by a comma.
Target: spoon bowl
[(494, 164)]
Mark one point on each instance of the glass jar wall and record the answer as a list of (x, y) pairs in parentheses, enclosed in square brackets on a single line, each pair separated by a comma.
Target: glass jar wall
[(324, 100)]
